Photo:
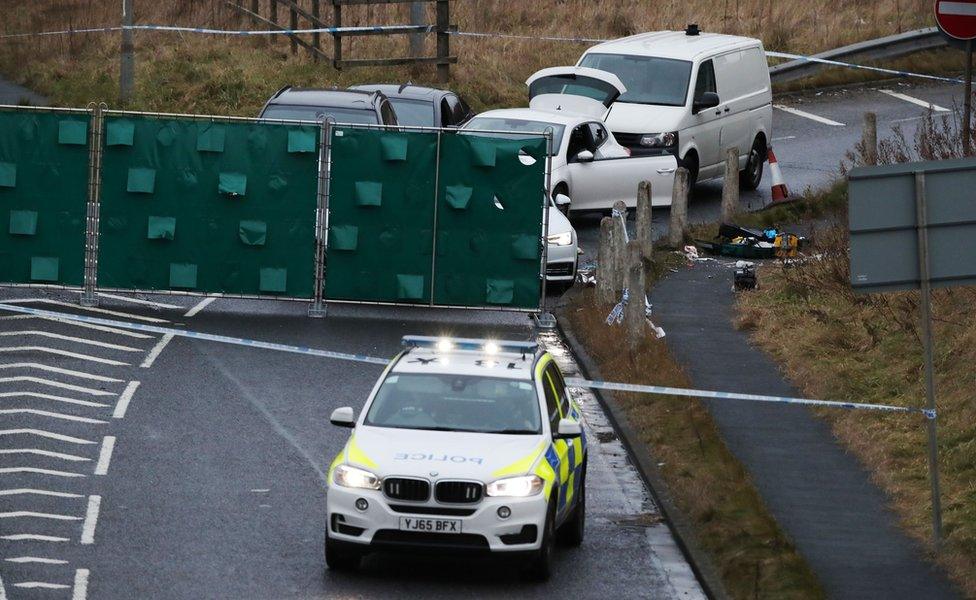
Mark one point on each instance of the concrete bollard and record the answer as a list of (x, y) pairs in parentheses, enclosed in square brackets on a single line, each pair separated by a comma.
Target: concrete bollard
[(645, 228), (604, 263), (869, 138), (618, 248), (730, 187), (679, 208), (634, 316)]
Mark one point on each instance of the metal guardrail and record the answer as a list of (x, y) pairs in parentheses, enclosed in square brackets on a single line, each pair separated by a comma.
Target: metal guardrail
[(889, 47)]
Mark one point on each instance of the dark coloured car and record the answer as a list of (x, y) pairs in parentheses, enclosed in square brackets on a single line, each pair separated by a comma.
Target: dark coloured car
[(420, 106), (344, 106)]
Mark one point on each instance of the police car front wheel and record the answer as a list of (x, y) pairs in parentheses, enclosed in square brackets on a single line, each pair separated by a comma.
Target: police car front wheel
[(539, 567), (571, 532), (339, 557)]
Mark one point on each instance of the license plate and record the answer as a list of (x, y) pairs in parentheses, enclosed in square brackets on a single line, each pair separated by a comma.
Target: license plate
[(430, 525)]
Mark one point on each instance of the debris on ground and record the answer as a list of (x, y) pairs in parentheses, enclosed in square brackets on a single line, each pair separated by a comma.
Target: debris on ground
[(744, 277), (756, 244)]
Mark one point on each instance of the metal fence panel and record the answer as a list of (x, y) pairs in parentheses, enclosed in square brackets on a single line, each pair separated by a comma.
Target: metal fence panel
[(213, 206), (43, 196), (381, 215)]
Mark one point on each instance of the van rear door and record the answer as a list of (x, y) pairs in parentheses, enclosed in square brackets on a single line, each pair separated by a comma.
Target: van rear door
[(574, 89)]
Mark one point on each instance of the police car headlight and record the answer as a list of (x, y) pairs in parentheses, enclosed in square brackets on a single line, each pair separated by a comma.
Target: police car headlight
[(560, 239), (517, 487), (352, 477)]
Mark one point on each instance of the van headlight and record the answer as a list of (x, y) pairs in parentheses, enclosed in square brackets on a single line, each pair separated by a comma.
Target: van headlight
[(515, 487), (659, 140), (561, 239), (351, 477)]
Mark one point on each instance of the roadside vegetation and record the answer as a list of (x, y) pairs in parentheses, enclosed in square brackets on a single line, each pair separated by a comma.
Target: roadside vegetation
[(225, 75), (836, 345), (709, 486)]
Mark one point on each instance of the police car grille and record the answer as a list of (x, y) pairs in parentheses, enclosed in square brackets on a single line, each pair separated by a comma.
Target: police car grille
[(458, 492), (401, 488)]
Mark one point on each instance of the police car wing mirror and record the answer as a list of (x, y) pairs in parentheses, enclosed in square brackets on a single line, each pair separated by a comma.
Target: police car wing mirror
[(568, 429), (343, 417)]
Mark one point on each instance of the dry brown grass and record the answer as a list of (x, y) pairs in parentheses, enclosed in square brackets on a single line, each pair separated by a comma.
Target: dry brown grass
[(708, 484), (230, 75)]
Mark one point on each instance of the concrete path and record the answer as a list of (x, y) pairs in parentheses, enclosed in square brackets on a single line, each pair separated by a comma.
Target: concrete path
[(11, 93), (820, 494)]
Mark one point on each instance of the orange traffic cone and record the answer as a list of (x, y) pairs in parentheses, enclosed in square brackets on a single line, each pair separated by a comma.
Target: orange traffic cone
[(780, 192)]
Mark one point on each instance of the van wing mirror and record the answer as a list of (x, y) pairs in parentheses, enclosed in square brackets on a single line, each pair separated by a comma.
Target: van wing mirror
[(707, 100), (568, 429), (343, 417)]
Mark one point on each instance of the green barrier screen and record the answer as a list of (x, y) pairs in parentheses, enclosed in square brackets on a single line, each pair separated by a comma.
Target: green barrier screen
[(43, 196), (208, 206), (488, 219), (381, 216)]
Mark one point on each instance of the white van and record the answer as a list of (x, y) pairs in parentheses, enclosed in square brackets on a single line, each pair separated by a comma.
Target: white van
[(692, 95)]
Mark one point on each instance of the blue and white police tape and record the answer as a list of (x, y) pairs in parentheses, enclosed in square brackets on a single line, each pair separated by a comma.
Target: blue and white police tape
[(233, 32), (194, 335), (570, 381), (706, 394)]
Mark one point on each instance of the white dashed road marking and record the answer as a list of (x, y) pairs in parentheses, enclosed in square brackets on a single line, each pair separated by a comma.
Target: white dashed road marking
[(33, 537), (67, 338), (47, 453), (29, 491), (200, 306), (806, 115), (124, 399), (53, 398), (156, 350), (85, 308), (104, 361), (784, 138), (80, 591), (35, 471), (57, 384), (36, 559), (46, 434), (60, 371), (41, 585), (26, 514), (91, 519), (913, 100), (51, 415), (105, 455)]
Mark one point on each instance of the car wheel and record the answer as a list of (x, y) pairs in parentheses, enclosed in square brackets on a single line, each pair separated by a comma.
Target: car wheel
[(338, 558), (571, 532), (539, 567), (690, 162), (751, 176)]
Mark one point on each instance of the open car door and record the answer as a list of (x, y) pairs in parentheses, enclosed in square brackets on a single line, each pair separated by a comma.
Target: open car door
[(579, 90)]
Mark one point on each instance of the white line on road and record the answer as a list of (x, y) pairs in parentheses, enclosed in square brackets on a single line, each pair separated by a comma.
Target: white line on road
[(139, 301), (3, 592), (104, 361), (913, 100), (91, 519), (124, 399), (103, 328), (33, 537), (200, 306), (50, 397), (80, 591), (806, 115), (105, 455), (19, 470), (51, 415), (68, 338), (963, 9), (61, 371), (784, 138), (89, 309), (57, 384), (29, 491), (156, 351), (41, 585), (47, 453), (46, 434), (27, 514), (36, 559)]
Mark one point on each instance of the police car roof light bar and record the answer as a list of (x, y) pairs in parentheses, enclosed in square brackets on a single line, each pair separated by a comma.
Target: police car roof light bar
[(498, 346)]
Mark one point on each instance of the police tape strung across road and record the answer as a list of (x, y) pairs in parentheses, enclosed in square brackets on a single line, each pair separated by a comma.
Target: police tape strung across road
[(430, 29), (571, 381)]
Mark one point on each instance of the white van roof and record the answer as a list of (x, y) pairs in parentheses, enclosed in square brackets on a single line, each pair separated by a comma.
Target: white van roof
[(674, 44)]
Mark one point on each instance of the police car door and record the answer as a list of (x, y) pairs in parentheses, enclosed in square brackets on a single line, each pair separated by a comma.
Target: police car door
[(565, 449)]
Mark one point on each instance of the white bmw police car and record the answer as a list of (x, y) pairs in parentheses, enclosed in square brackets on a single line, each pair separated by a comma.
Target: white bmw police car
[(463, 446)]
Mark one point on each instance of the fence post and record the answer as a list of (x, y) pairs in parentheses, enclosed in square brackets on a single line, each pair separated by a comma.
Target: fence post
[(604, 262), (293, 25), (730, 187), (618, 246), (645, 227), (634, 312), (316, 37), (318, 308), (443, 40), (127, 68), (869, 137), (336, 38), (274, 12), (679, 208), (88, 296), (416, 39)]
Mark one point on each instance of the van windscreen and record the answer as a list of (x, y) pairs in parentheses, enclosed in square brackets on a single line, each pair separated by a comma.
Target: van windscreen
[(649, 80)]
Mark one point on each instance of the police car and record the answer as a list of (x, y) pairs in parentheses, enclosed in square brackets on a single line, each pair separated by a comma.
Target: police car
[(463, 446)]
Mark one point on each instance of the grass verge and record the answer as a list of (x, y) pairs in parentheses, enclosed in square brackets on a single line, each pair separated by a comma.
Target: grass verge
[(709, 486)]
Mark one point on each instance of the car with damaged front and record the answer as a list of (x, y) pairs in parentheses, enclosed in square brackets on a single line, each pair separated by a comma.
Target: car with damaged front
[(463, 446)]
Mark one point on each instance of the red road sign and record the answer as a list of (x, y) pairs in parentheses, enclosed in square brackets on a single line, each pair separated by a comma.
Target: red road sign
[(957, 18)]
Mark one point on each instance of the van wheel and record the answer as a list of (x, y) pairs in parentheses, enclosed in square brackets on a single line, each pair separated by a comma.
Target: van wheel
[(751, 176)]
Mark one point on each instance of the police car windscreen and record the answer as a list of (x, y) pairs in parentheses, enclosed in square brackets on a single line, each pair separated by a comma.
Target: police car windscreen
[(443, 402)]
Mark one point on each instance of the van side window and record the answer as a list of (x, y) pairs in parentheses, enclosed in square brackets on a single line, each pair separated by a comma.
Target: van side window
[(706, 79)]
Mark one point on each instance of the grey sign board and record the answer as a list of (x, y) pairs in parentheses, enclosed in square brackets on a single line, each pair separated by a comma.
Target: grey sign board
[(883, 209)]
